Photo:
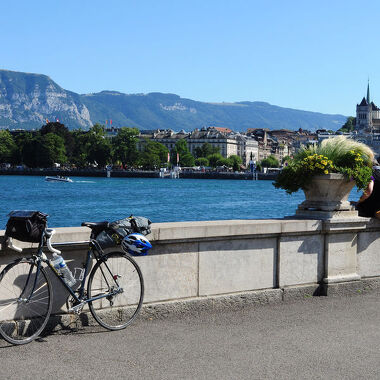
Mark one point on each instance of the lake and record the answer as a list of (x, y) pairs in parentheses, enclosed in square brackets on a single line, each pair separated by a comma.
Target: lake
[(161, 200)]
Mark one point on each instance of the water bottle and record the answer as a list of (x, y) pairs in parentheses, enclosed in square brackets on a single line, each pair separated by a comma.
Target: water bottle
[(61, 267)]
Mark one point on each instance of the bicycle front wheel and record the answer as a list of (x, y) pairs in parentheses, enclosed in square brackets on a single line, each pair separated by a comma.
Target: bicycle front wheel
[(116, 283), (25, 301)]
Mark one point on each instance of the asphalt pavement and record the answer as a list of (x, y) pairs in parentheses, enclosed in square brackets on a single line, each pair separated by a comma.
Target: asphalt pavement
[(314, 338)]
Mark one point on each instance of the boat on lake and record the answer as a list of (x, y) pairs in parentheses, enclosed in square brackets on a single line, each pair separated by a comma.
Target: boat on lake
[(58, 178)]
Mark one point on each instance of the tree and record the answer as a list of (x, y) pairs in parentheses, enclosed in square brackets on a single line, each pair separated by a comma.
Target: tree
[(44, 151), (236, 162), (206, 150), (349, 125), (270, 162), (214, 158), (8, 147), (187, 160), (224, 162), (81, 147), (21, 140), (100, 152), (53, 146), (125, 145), (154, 155), (185, 157), (62, 131), (201, 161), (97, 148)]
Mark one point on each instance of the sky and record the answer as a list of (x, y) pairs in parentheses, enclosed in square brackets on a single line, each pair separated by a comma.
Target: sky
[(314, 56)]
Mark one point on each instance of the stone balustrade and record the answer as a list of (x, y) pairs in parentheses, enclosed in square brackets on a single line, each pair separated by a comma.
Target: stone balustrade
[(276, 258)]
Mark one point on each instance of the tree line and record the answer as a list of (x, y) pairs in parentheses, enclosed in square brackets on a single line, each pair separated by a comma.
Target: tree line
[(56, 144)]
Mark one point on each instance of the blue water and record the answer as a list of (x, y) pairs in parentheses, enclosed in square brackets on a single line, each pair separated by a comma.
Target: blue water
[(161, 200)]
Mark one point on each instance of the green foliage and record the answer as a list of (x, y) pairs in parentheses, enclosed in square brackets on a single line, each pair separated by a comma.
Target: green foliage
[(155, 155), (336, 155), (62, 131), (205, 150), (185, 157), (21, 140), (213, 159), (44, 151), (235, 162), (270, 162), (224, 162), (92, 147), (202, 161), (80, 151), (124, 145), (7, 147), (349, 125), (187, 160)]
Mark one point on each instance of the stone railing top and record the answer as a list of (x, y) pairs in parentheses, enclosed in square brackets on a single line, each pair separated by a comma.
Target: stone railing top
[(200, 230)]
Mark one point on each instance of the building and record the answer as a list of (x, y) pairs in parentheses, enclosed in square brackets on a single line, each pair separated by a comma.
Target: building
[(368, 117), (225, 140)]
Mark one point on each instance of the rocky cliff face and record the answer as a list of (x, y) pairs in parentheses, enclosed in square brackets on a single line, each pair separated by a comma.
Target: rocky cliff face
[(30, 99)]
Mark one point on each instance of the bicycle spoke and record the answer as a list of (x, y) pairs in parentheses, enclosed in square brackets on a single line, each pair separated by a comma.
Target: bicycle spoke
[(120, 278), (25, 313)]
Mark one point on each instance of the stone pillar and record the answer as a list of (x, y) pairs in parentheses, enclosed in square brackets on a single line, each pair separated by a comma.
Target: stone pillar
[(341, 238)]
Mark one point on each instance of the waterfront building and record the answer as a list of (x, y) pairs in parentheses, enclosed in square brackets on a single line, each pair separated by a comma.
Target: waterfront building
[(166, 137), (247, 148), (368, 117), (225, 142), (367, 127), (228, 142), (277, 143)]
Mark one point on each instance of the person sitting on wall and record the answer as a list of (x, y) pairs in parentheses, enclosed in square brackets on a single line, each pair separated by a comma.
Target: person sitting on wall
[(369, 203)]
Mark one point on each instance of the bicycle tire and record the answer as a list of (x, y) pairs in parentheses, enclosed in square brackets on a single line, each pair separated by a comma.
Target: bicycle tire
[(116, 271), (23, 315)]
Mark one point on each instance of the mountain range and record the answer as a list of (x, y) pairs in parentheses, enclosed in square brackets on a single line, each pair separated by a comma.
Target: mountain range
[(28, 100)]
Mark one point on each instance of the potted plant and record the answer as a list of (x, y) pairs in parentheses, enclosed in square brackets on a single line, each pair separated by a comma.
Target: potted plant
[(327, 172)]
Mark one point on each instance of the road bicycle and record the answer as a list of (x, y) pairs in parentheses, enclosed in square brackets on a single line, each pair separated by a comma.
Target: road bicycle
[(115, 288)]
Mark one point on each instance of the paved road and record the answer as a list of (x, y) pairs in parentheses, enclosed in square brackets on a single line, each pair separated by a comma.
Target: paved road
[(316, 338)]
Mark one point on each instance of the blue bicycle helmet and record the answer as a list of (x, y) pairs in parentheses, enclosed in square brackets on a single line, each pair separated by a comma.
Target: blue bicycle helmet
[(136, 244)]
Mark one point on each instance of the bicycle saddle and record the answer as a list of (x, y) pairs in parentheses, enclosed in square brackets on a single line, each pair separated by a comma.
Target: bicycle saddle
[(96, 226)]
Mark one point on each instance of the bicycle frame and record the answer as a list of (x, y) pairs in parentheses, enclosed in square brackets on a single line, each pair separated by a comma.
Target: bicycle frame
[(94, 251)]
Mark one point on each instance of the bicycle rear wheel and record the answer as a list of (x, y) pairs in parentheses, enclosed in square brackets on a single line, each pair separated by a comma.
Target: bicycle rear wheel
[(25, 301), (118, 280)]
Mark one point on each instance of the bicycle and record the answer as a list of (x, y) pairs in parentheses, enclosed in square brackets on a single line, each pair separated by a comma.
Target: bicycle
[(115, 288)]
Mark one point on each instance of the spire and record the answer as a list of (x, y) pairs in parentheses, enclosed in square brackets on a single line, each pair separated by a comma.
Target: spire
[(368, 100)]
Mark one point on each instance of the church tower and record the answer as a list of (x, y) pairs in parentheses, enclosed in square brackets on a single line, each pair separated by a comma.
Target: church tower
[(368, 117), (364, 113)]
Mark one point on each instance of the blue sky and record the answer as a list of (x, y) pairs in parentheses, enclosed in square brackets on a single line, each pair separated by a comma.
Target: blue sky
[(314, 56)]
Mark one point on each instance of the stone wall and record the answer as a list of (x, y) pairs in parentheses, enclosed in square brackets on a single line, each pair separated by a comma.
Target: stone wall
[(198, 260)]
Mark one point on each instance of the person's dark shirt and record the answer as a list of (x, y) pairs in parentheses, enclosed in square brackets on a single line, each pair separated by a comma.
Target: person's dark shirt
[(372, 204)]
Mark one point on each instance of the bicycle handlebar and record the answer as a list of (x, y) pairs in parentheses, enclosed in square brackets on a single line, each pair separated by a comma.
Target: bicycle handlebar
[(12, 246), (49, 232)]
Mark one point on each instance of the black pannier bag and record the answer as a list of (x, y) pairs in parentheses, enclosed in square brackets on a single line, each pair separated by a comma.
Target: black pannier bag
[(26, 225), (112, 236)]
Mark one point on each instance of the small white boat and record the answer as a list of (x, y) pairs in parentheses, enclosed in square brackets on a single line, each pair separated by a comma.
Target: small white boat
[(58, 178)]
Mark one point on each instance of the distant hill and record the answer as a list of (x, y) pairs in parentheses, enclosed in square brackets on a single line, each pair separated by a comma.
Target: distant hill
[(27, 100)]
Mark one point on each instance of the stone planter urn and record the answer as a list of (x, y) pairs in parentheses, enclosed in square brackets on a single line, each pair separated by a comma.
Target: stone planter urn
[(327, 196)]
